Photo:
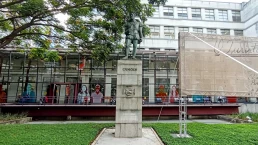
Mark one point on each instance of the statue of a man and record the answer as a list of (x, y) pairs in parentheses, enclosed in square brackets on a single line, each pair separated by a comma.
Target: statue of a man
[(133, 32)]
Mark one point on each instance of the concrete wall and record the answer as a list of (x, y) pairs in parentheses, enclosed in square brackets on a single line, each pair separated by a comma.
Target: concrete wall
[(253, 108)]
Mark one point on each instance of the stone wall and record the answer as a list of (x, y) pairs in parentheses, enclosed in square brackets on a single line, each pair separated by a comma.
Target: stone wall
[(253, 108)]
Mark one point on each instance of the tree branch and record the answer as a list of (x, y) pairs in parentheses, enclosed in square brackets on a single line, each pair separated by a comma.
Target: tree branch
[(22, 34), (10, 4)]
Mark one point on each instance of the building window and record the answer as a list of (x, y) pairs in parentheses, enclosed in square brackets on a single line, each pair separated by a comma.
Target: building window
[(182, 13), (169, 32), (168, 11), (154, 31), (196, 14), (211, 31), (156, 13), (236, 16), (145, 88), (209, 15), (238, 32), (197, 30), (183, 29), (113, 87), (223, 15), (225, 32)]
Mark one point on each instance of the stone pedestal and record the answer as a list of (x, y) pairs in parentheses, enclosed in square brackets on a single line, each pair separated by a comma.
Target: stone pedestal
[(129, 99)]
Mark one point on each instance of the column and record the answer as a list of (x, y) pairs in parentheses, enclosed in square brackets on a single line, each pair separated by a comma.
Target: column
[(151, 90), (216, 14), (108, 86), (189, 13), (232, 32), (218, 31), (176, 32), (205, 30), (203, 13), (190, 29), (161, 11), (129, 99), (230, 15), (161, 31), (175, 13)]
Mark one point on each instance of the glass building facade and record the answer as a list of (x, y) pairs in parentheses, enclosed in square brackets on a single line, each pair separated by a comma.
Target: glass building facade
[(61, 82)]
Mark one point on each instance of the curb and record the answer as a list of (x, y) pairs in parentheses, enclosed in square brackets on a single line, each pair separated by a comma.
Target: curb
[(97, 138), (160, 141)]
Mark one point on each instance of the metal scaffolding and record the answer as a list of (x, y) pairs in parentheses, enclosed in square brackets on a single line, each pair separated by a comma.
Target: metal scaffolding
[(183, 116)]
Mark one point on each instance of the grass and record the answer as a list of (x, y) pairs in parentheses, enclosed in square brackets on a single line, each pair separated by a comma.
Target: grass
[(8, 116), (209, 134), (83, 134), (254, 116)]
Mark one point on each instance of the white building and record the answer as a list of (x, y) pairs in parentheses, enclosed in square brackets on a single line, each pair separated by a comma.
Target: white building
[(222, 18)]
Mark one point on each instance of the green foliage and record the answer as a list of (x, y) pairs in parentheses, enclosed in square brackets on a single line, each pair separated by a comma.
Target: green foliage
[(8, 116), (67, 134), (44, 54), (254, 116), (35, 21), (37, 53), (52, 56)]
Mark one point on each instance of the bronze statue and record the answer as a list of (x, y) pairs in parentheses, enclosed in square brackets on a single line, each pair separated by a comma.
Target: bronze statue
[(133, 32)]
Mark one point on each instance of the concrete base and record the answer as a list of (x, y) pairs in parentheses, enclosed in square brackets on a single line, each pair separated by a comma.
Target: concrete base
[(181, 136), (107, 137)]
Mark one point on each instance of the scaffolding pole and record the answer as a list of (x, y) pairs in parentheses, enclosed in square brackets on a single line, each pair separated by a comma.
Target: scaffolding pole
[(183, 116)]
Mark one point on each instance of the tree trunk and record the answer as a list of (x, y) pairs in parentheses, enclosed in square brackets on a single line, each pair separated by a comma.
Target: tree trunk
[(27, 75), (1, 64)]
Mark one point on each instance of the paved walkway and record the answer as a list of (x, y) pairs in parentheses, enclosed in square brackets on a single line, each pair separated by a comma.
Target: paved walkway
[(206, 121), (107, 137)]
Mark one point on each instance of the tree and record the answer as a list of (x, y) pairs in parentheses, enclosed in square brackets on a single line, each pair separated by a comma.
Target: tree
[(95, 25), (40, 54)]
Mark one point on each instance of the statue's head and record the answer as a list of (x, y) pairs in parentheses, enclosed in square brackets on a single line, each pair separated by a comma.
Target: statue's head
[(132, 16)]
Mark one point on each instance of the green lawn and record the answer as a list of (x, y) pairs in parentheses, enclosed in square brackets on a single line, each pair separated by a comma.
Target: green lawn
[(83, 134)]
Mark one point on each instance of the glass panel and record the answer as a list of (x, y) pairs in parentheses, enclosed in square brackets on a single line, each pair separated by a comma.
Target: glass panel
[(168, 11)]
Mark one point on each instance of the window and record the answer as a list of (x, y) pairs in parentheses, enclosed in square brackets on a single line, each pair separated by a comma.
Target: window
[(165, 82), (238, 32), (145, 88), (182, 13), (236, 16), (183, 30), (156, 13), (154, 31), (169, 32), (113, 87), (196, 14), (197, 30), (209, 15), (168, 11), (211, 31), (223, 15), (225, 32)]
